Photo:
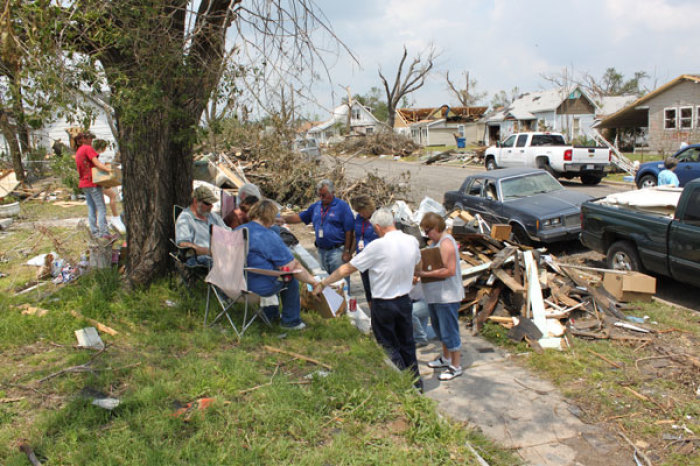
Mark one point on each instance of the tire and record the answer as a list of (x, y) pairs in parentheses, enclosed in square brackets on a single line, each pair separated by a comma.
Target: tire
[(647, 181), (590, 180), (622, 255), (491, 163), (520, 236)]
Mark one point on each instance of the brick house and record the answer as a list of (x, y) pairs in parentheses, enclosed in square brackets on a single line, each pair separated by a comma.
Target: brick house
[(670, 114)]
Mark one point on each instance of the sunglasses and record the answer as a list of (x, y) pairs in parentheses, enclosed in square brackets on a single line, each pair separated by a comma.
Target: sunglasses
[(208, 204), (427, 232)]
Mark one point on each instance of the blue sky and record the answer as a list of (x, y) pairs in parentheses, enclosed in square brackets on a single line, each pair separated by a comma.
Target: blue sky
[(507, 43)]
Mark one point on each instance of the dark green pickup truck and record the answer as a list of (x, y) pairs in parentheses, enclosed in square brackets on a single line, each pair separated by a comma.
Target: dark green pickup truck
[(645, 241)]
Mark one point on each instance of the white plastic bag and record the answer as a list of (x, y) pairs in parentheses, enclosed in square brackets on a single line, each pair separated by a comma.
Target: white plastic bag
[(402, 213), (428, 204)]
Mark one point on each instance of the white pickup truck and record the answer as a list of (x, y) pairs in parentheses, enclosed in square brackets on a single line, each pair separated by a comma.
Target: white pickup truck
[(550, 152)]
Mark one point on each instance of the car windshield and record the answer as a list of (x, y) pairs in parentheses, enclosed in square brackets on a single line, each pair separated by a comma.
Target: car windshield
[(529, 185)]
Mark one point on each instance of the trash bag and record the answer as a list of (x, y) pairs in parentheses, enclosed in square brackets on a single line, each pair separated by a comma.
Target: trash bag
[(402, 213), (428, 204), (288, 238)]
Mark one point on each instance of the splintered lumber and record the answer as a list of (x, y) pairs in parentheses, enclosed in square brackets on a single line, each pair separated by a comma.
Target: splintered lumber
[(508, 281), (607, 304), (501, 232), (488, 308), (232, 177), (101, 327), (535, 303), (562, 297), (500, 258)]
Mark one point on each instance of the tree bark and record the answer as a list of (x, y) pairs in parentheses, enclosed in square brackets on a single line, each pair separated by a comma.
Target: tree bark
[(8, 131)]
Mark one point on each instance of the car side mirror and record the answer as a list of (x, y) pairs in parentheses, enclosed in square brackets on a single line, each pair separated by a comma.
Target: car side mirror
[(498, 143)]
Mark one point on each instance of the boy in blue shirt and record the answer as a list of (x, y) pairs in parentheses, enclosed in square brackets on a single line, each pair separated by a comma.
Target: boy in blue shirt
[(667, 177)]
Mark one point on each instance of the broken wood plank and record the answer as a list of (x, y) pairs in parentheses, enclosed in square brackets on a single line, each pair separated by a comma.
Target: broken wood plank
[(612, 363), (508, 281), (100, 326), (535, 303)]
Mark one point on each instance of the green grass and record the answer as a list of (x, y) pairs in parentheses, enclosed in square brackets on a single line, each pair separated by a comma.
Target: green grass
[(268, 407), (599, 389)]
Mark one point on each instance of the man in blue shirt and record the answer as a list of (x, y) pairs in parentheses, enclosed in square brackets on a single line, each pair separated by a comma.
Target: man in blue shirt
[(667, 177), (333, 224)]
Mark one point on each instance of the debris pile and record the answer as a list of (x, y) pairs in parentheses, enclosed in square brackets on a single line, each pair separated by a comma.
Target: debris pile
[(466, 157), (383, 142), (290, 179), (536, 297)]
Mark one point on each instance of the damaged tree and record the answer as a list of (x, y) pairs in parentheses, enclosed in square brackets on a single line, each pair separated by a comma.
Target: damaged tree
[(412, 80), (162, 60), (466, 94)]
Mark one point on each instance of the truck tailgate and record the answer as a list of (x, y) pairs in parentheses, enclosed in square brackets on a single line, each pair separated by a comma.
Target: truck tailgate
[(591, 155)]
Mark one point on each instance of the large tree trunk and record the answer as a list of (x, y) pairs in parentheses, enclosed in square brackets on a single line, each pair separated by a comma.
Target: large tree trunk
[(157, 175), (8, 131)]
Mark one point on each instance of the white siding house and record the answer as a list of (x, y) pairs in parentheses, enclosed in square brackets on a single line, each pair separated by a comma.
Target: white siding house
[(361, 122)]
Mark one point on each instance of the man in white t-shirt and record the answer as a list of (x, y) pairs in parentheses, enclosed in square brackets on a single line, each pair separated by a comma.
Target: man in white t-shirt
[(391, 261)]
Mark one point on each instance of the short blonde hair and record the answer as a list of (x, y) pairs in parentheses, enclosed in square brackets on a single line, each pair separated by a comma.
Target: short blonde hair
[(431, 220), (265, 211)]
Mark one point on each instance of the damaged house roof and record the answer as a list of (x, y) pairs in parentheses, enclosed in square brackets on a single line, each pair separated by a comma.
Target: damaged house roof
[(415, 115), (527, 105)]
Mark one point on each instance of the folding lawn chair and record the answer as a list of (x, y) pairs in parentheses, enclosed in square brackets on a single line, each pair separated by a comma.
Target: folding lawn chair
[(189, 274), (228, 278)]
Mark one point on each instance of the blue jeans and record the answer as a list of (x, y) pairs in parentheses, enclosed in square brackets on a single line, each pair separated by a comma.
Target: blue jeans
[(291, 306), (422, 332), (444, 317), (202, 260), (331, 259), (97, 211)]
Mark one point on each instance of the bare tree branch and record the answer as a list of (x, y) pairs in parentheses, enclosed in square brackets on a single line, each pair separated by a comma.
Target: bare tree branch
[(413, 79)]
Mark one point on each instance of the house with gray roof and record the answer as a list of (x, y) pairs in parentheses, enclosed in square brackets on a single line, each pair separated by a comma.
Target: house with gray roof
[(569, 111)]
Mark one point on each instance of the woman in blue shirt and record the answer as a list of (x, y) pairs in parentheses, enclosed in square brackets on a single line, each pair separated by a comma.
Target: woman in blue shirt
[(364, 234), (267, 251)]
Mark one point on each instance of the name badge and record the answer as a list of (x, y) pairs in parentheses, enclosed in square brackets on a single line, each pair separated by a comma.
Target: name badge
[(361, 244), (320, 232)]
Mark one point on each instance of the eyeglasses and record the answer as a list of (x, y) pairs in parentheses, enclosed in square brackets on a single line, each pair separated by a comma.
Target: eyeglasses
[(427, 232)]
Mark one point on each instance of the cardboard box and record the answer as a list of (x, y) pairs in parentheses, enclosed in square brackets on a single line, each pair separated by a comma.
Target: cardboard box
[(320, 303), (430, 260), (501, 232), (107, 179), (631, 286)]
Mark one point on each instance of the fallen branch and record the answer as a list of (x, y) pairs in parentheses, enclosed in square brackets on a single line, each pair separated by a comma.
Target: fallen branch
[(636, 450), (297, 355), (75, 369), (612, 363), (11, 400), (27, 450), (538, 391)]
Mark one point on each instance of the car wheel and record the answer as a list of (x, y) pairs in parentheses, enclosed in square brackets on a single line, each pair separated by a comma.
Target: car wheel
[(491, 164), (622, 255), (647, 181), (520, 236), (590, 179)]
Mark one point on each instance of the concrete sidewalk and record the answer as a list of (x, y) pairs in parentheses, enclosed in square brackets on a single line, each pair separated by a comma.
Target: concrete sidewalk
[(516, 409)]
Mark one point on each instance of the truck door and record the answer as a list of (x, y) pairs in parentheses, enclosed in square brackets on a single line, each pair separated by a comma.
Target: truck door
[(684, 242), (506, 152), (520, 155), (688, 165)]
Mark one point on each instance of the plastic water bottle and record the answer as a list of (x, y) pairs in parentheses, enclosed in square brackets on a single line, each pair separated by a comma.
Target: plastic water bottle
[(346, 289)]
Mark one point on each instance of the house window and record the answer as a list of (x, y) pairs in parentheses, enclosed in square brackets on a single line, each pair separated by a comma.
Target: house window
[(577, 127), (369, 130), (356, 114), (697, 116), (686, 119), (670, 118), (460, 130)]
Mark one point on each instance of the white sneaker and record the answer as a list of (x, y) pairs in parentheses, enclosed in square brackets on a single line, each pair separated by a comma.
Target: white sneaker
[(450, 373), (117, 223), (299, 326), (439, 362)]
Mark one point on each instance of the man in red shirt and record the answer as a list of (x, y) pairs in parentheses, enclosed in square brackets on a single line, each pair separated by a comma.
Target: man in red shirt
[(85, 159)]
